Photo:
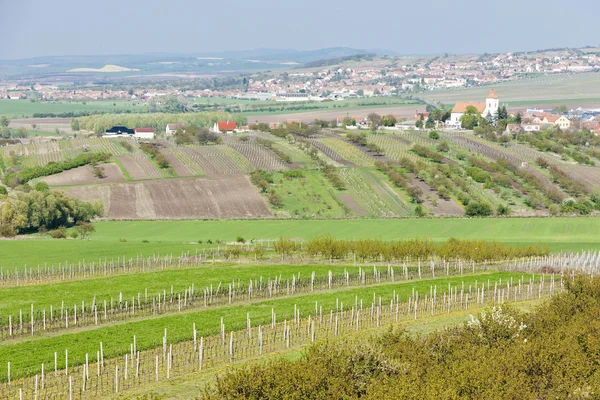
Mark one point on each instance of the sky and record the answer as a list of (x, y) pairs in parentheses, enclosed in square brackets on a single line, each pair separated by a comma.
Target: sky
[(32, 28)]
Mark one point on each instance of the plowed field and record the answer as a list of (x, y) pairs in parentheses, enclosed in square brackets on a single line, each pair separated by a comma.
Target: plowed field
[(84, 176), (194, 198)]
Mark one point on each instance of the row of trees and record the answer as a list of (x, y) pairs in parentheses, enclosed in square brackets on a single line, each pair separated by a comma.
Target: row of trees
[(328, 247), (40, 209), (194, 134), (158, 121), (14, 178)]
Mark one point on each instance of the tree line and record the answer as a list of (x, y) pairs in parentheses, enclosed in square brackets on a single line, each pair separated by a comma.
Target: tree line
[(329, 247)]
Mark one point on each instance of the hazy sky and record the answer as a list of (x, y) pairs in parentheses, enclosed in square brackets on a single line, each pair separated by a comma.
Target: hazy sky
[(74, 27)]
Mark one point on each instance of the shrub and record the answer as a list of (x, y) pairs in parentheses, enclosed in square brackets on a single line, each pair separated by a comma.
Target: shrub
[(478, 209), (434, 135), (293, 174), (74, 234), (240, 239), (3, 190), (41, 187), (127, 146), (60, 233)]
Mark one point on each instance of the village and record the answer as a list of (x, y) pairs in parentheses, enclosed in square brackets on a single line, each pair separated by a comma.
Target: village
[(379, 77)]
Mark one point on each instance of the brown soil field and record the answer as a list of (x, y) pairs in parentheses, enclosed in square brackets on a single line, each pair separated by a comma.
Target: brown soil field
[(43, 124), (84, 176), (444, 207), (589, 176), (352, 204), (186, 198), (400, 111), (139, 167)]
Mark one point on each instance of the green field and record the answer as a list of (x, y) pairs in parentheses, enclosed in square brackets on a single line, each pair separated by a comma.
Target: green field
[(175, 237), (25, 108), (13, 299)]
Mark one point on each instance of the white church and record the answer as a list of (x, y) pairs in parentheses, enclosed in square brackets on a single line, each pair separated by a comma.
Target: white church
[(490, 105)]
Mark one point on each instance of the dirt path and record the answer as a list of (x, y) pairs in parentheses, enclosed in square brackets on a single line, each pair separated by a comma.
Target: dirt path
[(444, 207)]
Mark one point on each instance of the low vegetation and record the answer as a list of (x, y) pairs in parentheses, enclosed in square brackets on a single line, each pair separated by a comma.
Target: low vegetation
[(500, 353), (14, 178)]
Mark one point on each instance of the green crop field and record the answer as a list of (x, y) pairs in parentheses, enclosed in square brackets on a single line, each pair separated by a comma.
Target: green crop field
[(25, 108), (175, 237)]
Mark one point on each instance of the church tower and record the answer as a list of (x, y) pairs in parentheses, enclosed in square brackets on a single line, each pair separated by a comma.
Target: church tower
[(492, 103)]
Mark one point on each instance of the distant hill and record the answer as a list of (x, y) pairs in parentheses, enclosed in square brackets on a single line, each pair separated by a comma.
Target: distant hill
[(107, 68)]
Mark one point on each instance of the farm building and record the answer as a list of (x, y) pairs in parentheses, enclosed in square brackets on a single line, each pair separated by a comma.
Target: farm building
[(489, 106), (172, 128), (118, 131), (143, 133), (224, 127)]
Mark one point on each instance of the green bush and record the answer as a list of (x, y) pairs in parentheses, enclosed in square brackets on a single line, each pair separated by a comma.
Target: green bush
[(478, 209)]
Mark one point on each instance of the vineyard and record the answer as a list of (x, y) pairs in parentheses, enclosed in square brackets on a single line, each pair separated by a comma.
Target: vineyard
[(348, 152), (372, 195), (126, 325)]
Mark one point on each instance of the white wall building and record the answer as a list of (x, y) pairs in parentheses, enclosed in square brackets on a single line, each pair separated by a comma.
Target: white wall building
[(489, 106)]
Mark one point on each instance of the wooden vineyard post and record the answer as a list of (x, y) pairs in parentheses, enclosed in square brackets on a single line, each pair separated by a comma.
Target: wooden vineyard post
[(116, 379), (156, 369), (201, 353)]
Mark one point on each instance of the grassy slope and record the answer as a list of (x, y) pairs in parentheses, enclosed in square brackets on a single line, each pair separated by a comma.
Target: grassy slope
[(117, 338)]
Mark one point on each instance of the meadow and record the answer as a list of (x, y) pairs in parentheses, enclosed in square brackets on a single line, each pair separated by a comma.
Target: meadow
[(26, 108), (126, 238)]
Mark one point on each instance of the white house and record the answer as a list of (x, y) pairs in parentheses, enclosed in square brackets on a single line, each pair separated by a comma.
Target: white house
[(490, 105), (143, 133), (172, 128)]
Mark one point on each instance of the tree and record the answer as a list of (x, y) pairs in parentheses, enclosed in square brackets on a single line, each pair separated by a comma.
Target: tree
[(429, 123), (502, 113), (75, 124), (490, 119), (471, 118), (518, 118), (84, 229), (443, 147), (349, 121), (389, 120), (4, 121), (360, 92), (562, 109), (374, 121), (419, 124), (21, 132), (434, 135), (478, 209)]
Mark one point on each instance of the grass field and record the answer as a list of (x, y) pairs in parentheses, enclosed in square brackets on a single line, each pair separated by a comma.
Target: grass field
[(25, 108), (13, 299), (175, 237), (570, 89)]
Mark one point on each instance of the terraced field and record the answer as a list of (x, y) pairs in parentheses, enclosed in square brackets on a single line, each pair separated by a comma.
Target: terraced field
[(395, 147), (139, 167), (260, 157), (348, 152), (373, 195), (210, 160)]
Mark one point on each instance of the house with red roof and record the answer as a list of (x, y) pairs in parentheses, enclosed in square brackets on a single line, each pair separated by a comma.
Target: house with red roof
[(489, 106), (143, 133), (224, 127)]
